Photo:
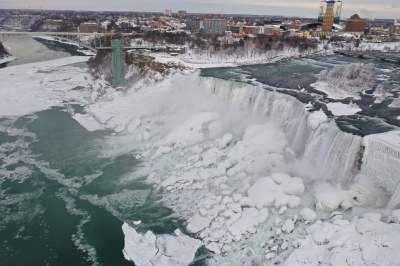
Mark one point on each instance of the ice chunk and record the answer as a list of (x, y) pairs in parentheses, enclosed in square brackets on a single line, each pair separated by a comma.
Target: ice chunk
[(198, 223), (329, 197), (88, 122), (150, 249), (288, 226), (277, 191), (308, 215), (250, 218)]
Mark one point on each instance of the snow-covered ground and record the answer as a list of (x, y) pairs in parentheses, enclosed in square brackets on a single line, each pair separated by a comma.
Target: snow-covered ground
[(206, 59), (257, 177), (197, 58)]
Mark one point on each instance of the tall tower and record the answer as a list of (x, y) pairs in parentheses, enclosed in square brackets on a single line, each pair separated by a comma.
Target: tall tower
[(321, 11), (329, 16), (338, 12), (118, 61)]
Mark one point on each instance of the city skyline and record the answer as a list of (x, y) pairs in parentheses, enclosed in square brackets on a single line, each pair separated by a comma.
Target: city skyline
[(302, 8)]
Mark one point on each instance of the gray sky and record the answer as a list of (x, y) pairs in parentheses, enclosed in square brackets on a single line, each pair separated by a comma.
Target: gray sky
[(304, 8)]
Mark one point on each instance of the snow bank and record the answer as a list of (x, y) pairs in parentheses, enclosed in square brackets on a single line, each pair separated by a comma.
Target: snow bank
[(150, 249), (199, 58)]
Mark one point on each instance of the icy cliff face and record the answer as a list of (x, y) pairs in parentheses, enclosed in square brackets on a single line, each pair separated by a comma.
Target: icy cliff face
[(381, 163)]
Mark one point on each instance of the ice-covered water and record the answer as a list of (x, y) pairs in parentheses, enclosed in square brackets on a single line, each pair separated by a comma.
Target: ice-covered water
[(240, 168)]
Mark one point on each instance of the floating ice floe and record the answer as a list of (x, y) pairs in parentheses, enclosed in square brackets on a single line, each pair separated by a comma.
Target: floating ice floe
[(88, 122), (166, 250)]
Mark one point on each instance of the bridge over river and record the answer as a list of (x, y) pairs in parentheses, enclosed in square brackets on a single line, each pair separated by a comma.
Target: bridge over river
[(115, 44)]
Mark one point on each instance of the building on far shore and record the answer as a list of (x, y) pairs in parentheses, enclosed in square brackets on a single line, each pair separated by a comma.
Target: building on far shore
[(214, 25), (168, 13), (356, 24), (182, 14), (88, 27), (395, 30)]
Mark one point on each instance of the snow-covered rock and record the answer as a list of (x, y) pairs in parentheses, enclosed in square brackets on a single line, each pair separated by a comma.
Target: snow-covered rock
[(308, 215), (278, 190)]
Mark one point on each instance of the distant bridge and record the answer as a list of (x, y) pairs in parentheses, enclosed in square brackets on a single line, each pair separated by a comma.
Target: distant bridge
[(69, 35), (131, 48), (32, 33)]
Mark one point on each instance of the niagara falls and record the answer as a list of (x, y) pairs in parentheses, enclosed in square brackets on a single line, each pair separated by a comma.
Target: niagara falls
[(135, 136)]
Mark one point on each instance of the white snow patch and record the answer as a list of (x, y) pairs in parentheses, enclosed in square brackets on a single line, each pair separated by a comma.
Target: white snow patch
[(339, 109)]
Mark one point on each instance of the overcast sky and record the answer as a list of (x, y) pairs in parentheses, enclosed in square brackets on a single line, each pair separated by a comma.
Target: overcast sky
[(304, 8)]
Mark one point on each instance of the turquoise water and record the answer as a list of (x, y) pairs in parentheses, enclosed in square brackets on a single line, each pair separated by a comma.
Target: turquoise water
[(62, 201)]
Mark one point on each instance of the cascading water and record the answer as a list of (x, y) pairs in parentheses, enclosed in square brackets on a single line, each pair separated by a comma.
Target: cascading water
[(326, 152)]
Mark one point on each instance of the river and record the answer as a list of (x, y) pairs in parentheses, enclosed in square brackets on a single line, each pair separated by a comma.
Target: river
[(27, 50)]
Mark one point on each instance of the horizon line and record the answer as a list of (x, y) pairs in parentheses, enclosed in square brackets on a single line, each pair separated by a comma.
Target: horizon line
[(161, 12)]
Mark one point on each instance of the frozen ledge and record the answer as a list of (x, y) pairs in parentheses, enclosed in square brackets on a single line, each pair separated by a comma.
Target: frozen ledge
[(167, 250)]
